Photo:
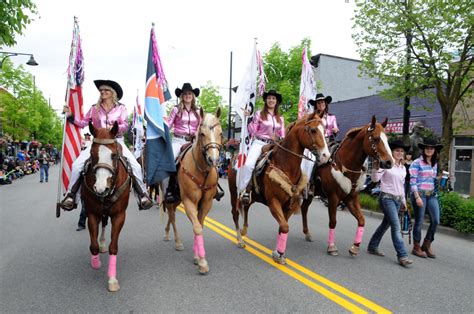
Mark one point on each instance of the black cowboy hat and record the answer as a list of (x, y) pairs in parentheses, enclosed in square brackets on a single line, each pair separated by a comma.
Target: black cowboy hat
[(327, 99), (114, 85), (186, 87), (430, 142), (273, 93), (398, 144)]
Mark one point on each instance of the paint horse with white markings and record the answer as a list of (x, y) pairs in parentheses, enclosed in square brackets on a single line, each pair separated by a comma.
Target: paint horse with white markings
[(105, 191), (343, 177), (197, 178)]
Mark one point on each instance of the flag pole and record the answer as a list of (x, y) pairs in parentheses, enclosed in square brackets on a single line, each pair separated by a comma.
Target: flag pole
[(68, 90)]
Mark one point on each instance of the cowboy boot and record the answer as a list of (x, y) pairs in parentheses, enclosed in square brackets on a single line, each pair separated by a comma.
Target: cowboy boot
[(144, 201), (219, 193), (245, 196), (426, 247), (69, 201), (171, 195), (417, 250)]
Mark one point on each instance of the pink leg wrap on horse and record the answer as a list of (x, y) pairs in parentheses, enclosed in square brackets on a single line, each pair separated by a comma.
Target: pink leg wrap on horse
[(359, 233), (281, 242), (199, 241), (195, 247), (112, 266), (95, 261), (332, 236)]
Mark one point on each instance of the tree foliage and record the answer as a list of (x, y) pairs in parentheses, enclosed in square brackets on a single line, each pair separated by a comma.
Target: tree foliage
[(415, 46), (14, 16), (26, 114), (283, 71), (210, 99)]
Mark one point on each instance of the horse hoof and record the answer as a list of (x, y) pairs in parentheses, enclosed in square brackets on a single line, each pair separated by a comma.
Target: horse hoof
[(102, 248), (241, 245), (243, 232), (179, 247), (113, 285), (203, 267), (280, 259), (166, 238), (308, 237), (354, 250), (332, 250)]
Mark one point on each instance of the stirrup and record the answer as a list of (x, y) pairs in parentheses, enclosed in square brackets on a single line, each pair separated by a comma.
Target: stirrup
[(170, 198), (145, 202), (245, 198), (68, 202)]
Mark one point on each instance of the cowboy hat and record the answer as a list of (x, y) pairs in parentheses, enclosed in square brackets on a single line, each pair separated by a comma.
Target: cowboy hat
[(186, 87), (398, 144), (430, 142), (327, 99), (112, 84), (273, 93)]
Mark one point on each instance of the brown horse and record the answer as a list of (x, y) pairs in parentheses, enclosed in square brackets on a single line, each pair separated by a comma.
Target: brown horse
[(105, 191), (198, 177), (281, 182), (343, 178)]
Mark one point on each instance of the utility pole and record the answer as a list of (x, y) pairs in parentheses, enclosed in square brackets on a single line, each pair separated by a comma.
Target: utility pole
[(406, 101), (230, 99)]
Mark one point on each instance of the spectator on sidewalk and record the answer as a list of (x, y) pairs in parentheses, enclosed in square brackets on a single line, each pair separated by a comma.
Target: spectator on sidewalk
[(44, 160)]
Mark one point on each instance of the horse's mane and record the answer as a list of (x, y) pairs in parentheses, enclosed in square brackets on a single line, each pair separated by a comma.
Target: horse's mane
[(353, 132)]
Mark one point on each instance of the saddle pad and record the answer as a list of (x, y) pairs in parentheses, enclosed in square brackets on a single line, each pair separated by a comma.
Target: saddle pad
[(261, 162)]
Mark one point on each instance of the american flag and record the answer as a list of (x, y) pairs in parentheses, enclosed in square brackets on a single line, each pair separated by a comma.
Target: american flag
[(72, 135)]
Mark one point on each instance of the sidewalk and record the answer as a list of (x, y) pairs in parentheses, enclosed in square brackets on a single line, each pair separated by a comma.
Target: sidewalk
[(440, 229)]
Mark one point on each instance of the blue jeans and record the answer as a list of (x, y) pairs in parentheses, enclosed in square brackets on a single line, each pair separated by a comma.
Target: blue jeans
[(44, 172), (430, 203), (390, 209)]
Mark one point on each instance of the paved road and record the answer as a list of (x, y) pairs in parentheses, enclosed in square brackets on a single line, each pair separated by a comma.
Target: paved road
[(44, 265)]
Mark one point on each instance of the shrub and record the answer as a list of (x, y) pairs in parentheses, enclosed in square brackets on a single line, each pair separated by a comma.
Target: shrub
[(369, 202), (451, 204), (465, 217)]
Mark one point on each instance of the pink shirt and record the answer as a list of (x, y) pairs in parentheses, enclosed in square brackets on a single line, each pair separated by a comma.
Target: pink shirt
[(103, 119), (266, 129), (329, 123), (391, 180), (185, 124)]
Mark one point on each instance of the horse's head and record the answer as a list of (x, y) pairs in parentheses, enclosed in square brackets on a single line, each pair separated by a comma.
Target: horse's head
[(104, 158), (311, 135), (209, 137), (376, 143)]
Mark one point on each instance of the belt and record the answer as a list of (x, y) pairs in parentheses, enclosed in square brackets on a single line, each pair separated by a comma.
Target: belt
[(427, 193), (392, 196), (187, 138), (268, 141)]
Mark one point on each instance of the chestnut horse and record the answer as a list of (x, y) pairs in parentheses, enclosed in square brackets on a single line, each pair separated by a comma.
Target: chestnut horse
[(198, 177), (281, 182), (105, 191), (343, 177)]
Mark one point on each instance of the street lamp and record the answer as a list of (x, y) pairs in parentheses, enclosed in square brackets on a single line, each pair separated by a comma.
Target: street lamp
[(31, 61)]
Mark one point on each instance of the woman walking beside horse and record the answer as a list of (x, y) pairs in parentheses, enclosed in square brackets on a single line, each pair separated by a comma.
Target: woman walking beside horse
[(104, 114)]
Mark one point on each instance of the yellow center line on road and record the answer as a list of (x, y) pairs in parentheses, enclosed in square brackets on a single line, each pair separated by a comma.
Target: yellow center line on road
[(229, 234)]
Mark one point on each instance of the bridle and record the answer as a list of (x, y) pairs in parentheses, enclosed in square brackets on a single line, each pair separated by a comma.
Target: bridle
[(208, 146), (373, 143), (314, 147), (113, 193)]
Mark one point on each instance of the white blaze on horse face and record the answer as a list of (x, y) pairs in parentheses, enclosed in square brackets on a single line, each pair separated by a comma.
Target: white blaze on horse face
[(213, 153), (102, 174), (324, 152), (384, 139)]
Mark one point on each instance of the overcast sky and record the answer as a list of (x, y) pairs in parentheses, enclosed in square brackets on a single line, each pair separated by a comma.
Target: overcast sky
[(195, 39)]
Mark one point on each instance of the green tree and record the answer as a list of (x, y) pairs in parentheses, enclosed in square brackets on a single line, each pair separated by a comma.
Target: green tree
[(283, 71), (14, 16), (210, 99), (25, 111), (414, 46)]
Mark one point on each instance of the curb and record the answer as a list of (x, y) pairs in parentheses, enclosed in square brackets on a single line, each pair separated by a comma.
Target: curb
[(441, 229)]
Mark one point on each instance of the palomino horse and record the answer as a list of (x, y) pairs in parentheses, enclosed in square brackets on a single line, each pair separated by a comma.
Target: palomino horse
[(198, 177), (343, 177), (281, 182), (105, 191)]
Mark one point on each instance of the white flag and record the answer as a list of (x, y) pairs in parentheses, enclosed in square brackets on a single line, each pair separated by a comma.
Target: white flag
[(245, 100), (307, 86)]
